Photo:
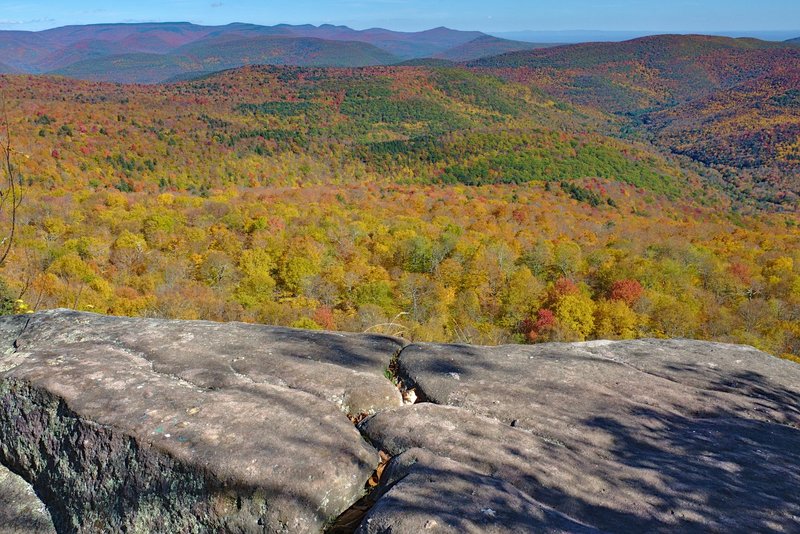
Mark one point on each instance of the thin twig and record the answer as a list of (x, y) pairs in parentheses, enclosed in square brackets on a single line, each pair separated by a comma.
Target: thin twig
[(10, 193)]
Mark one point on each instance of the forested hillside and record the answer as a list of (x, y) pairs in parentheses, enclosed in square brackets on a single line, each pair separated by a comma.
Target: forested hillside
[(753, 126), (437, 203), (726, 103), (644, 73), (213, 55), (485, 46), (406, 124)]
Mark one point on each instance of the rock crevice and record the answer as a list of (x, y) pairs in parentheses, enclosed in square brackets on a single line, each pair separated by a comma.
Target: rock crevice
[(641, 435)]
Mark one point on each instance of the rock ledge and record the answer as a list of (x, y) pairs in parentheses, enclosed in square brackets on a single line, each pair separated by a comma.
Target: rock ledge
[(147, 425)]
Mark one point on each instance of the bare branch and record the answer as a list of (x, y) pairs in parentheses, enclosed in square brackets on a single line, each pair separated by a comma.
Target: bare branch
[(9, 195)]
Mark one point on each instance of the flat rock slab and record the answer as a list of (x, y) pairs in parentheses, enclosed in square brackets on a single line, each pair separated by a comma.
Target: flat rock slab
[(148, 425), (428, 493), (645, 435), (551, 388), (346, 369), (145, 425), (21, 511)]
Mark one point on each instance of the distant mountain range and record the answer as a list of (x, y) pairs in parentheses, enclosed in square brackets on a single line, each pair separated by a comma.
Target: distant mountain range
[(586, 36), (160, 52), (157, 52), (481, 47), (212, 55)]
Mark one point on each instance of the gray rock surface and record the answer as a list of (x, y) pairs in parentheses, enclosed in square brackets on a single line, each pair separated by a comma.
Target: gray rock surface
[(146, 425), (427, 493), (345, 369), (155, 426), (21, 511), (642, 436)]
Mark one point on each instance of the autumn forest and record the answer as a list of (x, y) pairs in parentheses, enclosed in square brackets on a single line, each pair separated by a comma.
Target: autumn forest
[(557, 194)]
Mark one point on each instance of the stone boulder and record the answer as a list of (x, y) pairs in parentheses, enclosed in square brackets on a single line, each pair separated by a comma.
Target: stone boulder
[(624, 436), (423, 492), (21, 511), (345, 369), (146, 425)]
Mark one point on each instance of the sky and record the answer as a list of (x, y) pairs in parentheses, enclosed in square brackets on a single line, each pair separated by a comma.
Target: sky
[(410, 15)]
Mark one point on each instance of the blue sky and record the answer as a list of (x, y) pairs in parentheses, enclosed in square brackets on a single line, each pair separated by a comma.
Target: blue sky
[(486, 15)]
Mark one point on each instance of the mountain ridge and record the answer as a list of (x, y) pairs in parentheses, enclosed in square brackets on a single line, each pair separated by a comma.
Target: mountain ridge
[(98, 51), (484, 45), (606, 51), (225, 53), (90, 50), (661, 86), (645, 73)]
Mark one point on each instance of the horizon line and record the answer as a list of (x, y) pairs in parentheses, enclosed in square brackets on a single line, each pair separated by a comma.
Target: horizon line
[(648, 32)]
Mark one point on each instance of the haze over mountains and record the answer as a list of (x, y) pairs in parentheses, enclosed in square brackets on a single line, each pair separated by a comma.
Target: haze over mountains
[(156, 52), (159, 52)]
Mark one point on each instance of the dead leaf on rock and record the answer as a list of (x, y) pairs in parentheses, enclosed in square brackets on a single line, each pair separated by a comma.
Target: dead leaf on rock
[(375, 479)]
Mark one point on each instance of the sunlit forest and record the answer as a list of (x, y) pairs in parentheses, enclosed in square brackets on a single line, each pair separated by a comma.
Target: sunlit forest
[(436, 204)]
